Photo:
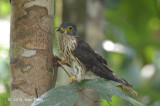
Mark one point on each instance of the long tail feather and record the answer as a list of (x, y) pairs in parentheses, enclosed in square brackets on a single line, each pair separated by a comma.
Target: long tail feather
[(121, 80)]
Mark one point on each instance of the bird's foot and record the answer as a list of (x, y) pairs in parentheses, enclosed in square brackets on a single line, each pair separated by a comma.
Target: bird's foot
[(63, 61), (72, 79)]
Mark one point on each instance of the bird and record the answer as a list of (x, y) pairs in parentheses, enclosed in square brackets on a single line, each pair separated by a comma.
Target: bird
[(81, 57)]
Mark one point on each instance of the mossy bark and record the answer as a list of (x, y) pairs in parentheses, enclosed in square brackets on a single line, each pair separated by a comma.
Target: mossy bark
[(30, 49)]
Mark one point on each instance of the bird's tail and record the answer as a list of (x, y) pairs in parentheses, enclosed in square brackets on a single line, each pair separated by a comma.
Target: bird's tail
[(108, 74), (120, 80)]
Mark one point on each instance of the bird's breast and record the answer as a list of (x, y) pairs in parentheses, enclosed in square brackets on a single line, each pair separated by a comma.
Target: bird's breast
[(67, 46)]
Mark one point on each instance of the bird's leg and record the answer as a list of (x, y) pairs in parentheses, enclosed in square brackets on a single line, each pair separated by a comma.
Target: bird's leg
[(74, 72), (72, 79), (77, 75)]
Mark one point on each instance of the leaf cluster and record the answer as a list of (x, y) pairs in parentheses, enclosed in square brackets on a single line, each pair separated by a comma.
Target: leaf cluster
[(67, 95)]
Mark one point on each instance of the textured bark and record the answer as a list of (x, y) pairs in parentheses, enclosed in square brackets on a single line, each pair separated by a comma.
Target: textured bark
[(74, 11), (30, 49)]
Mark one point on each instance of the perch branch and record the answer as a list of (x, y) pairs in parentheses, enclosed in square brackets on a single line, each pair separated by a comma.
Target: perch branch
[(109, 103), (36, 92), (65, 70), (56, 64)]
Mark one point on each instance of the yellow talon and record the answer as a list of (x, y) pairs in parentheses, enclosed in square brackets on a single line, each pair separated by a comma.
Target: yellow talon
[(72, 79), (63, 61)]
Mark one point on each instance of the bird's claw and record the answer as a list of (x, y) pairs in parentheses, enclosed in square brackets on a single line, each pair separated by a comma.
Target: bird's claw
[(63, 61), (72, 79)]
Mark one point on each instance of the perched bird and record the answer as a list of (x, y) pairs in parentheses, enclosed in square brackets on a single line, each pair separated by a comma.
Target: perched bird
[(81, 57)]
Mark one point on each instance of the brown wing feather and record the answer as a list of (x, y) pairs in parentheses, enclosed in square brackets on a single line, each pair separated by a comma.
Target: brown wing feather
[(95, 63)]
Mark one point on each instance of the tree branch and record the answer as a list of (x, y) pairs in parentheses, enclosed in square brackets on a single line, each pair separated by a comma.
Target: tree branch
[(55, 65)]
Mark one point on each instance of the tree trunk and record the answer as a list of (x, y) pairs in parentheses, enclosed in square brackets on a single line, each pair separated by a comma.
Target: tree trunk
[(95, 24), (94, 36), (30, 49)]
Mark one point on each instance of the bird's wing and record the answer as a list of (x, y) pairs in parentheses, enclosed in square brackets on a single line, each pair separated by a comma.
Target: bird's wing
[(90, 59), (95, 63)]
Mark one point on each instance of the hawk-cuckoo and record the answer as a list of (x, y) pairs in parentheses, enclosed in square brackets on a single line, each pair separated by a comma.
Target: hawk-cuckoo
[(81, 57)]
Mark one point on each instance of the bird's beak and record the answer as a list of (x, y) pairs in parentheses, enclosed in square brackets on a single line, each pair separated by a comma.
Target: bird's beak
[(61, 30)]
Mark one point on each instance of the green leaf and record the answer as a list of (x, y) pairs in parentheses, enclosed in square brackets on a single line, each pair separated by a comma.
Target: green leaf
[(134, 102), (60, 96), (82, 83), (67, 95), (106, 89)]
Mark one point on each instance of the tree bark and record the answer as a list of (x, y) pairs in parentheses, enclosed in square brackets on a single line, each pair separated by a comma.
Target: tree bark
[(30, 50)]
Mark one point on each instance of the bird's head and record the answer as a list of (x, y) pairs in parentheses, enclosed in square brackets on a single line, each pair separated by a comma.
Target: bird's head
[(68, 29)]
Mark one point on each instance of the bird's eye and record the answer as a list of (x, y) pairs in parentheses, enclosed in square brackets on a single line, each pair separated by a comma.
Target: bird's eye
[(70, 28)]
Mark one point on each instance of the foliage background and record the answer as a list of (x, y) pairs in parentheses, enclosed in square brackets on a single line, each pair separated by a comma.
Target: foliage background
[(132, 24)]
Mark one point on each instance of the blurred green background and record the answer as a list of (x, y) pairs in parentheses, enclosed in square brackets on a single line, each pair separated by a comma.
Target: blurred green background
[(4, 53), (132, 36)]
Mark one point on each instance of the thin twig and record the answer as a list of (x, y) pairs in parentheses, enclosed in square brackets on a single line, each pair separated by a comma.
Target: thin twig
[(109, 103), (55, 65), (55, 76), (36, 92), (5, 103), (56, 27), (65, 70)]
